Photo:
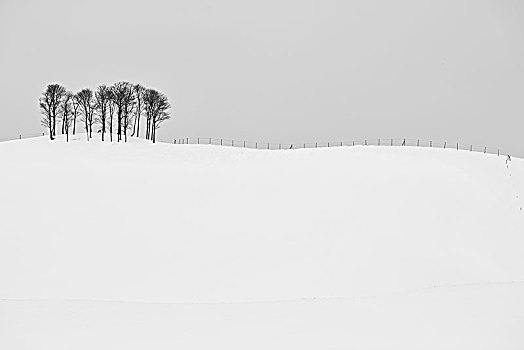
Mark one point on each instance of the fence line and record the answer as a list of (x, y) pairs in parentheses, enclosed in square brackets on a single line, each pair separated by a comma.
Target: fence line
[(21, 136), (381, 142)]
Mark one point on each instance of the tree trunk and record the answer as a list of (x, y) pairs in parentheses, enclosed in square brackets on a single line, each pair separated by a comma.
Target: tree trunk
[(119, 125), (74, 124), (103, 124), (138, 126), (87, 128), (51, 129), (153, 130)]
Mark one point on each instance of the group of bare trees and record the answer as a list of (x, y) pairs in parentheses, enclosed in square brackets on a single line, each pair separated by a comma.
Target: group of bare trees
[(122, 103)]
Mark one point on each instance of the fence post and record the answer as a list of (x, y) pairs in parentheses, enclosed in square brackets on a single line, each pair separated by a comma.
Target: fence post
[(220, 142), (485, 149), (210, 140), (430, 143), (20, 137), (256, 145), (198, 140), (391, 142), (366, 142), (353, 143), (379, 142), (279, 146), (328, 143), (187, 139), (471, 148), (418, 143), (174, 141), (457, 146), (444, 144), (268, 145), (316, 144), (498, 152), (232, 143)]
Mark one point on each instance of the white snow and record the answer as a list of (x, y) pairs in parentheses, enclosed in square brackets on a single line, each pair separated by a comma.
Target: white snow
[(162, 246)]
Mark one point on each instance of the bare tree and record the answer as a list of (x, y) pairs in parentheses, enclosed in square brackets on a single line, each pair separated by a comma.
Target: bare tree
[(129, 105), (123, 99), (61, 111), (49, 105), (66, 113), (85, 99), (102, 97), (139, 108), (75, 105), (111, 106), (161, 115), (127, 101), (156, 105)]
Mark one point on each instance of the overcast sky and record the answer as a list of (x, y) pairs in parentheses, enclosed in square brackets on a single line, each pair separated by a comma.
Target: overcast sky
[(281, 70)]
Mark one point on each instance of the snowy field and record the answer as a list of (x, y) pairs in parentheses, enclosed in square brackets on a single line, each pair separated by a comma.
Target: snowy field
[(142, 246)]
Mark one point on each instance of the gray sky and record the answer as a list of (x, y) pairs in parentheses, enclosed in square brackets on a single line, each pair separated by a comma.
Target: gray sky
[(281, 70)]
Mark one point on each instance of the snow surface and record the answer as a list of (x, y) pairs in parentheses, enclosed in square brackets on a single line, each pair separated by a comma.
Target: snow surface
[(134, 246)]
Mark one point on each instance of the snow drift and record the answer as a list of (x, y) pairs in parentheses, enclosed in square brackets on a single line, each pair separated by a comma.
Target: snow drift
[(139, 245)]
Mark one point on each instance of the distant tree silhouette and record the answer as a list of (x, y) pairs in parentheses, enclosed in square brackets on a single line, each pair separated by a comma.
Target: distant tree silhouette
[(156, 105), (66, 113), (102, 98), (127, 115), (87, 104), (139, 107), (75, 106), (112, 107), (61, 114), (123, 99), (49, 104)]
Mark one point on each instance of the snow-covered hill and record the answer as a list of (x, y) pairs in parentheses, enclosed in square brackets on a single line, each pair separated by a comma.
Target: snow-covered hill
[(195, 247)]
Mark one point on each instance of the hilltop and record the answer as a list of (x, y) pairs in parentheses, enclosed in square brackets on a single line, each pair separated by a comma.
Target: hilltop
[(158, 245)]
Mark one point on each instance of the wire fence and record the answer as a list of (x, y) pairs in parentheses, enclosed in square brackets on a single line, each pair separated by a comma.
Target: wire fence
[(379, 142), (21, 136)]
